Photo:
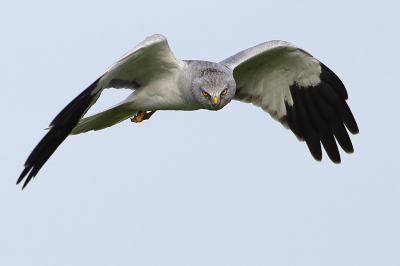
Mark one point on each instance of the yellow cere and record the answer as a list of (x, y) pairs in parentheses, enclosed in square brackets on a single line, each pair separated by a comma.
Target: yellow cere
[(215, 100)]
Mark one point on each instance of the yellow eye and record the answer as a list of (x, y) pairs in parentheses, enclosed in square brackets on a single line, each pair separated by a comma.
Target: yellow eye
[(205, 93), (224, 92)]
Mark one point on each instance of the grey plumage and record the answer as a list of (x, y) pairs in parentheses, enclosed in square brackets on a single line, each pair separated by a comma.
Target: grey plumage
[(284, 80)]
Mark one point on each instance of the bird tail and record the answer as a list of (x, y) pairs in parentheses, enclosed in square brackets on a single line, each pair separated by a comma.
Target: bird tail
[(104, 119)]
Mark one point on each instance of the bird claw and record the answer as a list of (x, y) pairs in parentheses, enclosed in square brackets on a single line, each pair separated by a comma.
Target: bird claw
[(140, 116)]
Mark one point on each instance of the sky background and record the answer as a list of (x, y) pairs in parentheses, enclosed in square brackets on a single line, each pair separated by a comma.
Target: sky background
[(231, 187)]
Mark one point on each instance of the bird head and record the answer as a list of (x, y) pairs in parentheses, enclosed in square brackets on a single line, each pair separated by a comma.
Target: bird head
[(214, 88)]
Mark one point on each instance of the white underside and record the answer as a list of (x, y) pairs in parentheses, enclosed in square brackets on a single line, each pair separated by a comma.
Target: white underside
[(152, 65), (267, 72), (264, 72), (162, 94)]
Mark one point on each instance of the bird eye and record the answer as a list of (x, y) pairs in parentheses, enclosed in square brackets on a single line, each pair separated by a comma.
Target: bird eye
[(224, 91), (205, 93)]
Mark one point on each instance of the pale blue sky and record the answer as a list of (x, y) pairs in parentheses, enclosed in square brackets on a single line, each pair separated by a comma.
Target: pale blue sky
[(197, 188)]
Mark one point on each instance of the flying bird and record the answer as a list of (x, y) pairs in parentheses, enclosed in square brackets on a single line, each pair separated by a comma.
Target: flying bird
[(284, 80)]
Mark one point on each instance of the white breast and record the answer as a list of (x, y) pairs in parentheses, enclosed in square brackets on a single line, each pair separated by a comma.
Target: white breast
[(159, 95)]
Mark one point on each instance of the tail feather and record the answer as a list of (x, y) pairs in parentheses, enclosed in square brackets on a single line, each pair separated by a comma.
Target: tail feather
[(104, 119)]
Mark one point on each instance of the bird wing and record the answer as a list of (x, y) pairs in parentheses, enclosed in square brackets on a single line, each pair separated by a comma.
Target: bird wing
[(150, 60), (298, 91)]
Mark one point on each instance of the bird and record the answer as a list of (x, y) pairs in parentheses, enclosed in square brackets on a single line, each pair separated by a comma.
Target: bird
[(282, 79)]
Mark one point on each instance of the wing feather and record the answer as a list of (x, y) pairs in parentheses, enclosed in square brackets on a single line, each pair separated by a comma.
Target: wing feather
[(298, 91), (152, 59)]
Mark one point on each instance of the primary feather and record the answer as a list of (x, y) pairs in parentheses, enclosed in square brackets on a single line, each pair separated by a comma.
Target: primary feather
[(284, 80)]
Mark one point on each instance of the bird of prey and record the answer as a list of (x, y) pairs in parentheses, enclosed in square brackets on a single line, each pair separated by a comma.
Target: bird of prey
[(284, 80)]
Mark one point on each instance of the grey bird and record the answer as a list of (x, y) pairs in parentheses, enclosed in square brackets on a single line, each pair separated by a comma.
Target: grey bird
[(287, 82)]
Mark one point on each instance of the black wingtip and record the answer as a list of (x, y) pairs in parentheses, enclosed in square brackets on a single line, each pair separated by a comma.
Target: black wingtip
[(320, 115), (354, 128), (29, 170), (330, 77), (26, 182), (338, 87), (61, 127), (23, 174), (317, 157)]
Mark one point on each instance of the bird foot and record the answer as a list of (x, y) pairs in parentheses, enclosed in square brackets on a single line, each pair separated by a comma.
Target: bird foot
[(140, 116)]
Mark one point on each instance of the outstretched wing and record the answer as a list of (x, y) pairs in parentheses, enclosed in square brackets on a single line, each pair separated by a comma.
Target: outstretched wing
[(152, 59), (298, 91)]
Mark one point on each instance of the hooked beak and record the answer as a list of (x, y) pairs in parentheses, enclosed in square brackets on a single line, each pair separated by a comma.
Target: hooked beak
[(216, 103), (215, 100)]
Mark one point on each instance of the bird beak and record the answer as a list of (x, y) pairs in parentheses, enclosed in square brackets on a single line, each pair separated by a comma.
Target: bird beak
[(215, 100)]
